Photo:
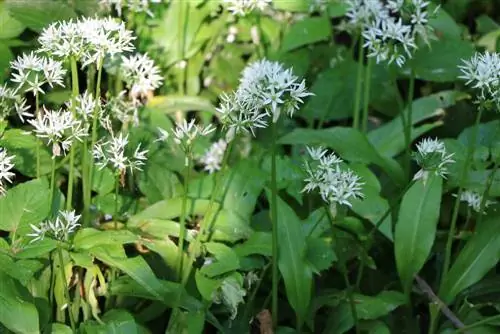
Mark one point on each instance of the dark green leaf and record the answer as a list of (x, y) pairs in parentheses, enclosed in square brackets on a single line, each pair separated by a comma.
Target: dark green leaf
[(416, 227), (307, 31), (480, 254), (25, 204)]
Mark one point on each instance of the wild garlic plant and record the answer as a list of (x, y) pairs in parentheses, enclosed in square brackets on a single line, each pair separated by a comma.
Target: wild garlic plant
[(390, 31)]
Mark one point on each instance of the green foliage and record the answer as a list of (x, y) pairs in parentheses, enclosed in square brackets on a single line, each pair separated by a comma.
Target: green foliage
[(176, 247)]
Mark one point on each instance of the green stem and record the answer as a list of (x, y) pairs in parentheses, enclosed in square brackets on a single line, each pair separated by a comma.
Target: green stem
[(400, 102), (274, 221), (89, 161), (182, 222), (74, 94), (359, 79), (66, 290), (485, 195), (463, 180), (37, 115), (409, 121), (366, 96), (117, 190), (343, 268), (52, 182)]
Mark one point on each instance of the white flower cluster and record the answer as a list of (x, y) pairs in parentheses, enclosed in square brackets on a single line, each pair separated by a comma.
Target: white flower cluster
[(266, 89), (431, 156), (112, 153), (482, 72), (213, 157), (31, 72), (136, 6), (336, 185), (88, 40), (243, 7), (58, 229), (85, 105), (184, 134), (60, 128), (390, 28), (141, 75), (11, 100), (473, 200), (6, 166)]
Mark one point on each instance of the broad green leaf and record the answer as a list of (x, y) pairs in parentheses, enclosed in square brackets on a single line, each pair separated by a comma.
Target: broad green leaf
[(367, 308), (349, 143), (207, 286), (103, 181), (258, 243), (444, 25), (22, 270), (33, 14), (126, 286), (17, 312), (56, 328), (333, 97), (137, 268), (114, 322), (157, 182), (88, 238), (226, 260), (23, 146), (388, 139), (490, 40), (6, 57), (307, 31), (416, 227), (37, 249), (439, 62), (320, 254), (292, 261), (25, 204), (480, 254), (9, 26)]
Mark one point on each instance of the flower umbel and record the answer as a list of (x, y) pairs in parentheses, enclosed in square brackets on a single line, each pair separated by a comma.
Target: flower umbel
[(59, 229), (473, 200), (336, 184), (112, 153), (482, 72), (6, 165), (431, 156), (243, 7), (212, 158), (60, 128)]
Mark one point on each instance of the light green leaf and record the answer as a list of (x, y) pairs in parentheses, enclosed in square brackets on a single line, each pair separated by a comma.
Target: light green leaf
[(33, 14), (17, 313), (22, 270), (226, 260), (349, 143), (87, 238), (416, 227), (25, 204), (23, 146), (9, 26), (136, 267), (480, 254), (320, 254), (37, 249), (307, 31), (258, 243), (372, 208), (439, 62), (387, 138)]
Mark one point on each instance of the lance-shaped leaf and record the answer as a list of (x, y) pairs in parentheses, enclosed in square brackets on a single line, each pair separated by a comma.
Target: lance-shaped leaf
[(416, 227)]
